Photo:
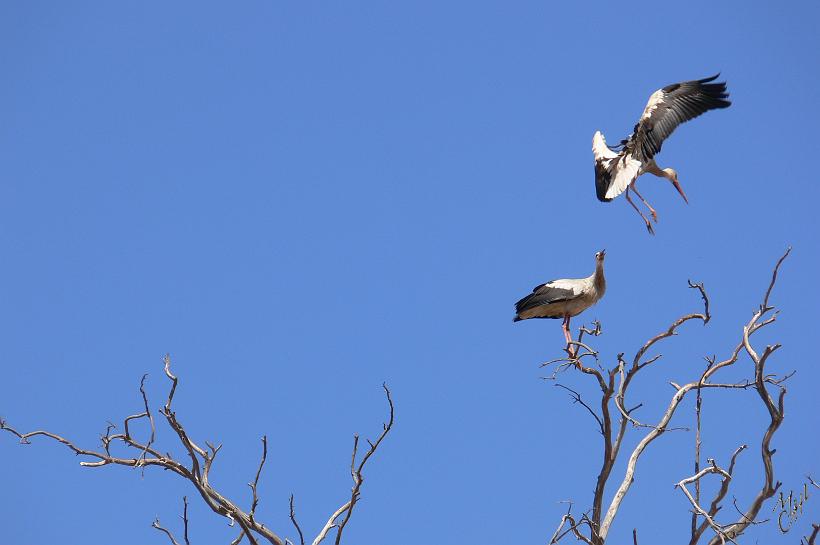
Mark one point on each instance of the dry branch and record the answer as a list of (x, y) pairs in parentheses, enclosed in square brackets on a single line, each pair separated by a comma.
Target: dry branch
[(296, 524), (197, 471), (167, 532), (713, 468)]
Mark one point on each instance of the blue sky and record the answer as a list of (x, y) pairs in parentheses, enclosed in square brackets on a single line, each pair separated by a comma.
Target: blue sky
[(299, 201)]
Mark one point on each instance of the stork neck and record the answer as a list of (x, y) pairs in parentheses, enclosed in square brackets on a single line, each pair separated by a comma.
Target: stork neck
[(653, 168), (598, 276)]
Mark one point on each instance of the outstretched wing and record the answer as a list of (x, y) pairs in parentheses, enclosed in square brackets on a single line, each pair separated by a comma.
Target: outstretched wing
[(669, 107), (614, 171)]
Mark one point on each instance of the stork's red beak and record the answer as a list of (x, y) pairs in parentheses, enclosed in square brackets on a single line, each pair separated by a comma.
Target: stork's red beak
[(680, 190)]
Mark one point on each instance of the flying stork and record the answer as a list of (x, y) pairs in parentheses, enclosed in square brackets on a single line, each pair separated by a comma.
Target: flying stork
[(564, 298), (617, 169)]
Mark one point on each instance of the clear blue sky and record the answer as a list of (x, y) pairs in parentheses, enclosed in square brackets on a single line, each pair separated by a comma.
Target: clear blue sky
[(301, 200)]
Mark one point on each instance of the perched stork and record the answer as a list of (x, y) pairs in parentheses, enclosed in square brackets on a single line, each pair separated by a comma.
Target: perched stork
[(564, 298), (616, 170)]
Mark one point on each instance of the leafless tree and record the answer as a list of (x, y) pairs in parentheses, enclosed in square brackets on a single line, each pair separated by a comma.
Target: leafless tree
[(614, 415), (145, 453)]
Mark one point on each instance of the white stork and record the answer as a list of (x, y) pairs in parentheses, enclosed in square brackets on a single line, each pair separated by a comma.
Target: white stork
[(616, 170), (564, 298)]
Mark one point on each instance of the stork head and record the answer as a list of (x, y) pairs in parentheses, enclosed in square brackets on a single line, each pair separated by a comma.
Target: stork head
[(672, 176), (599, 256)]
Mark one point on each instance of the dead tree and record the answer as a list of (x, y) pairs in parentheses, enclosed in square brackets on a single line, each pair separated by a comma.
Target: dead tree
[(615, 414), (197, 470)]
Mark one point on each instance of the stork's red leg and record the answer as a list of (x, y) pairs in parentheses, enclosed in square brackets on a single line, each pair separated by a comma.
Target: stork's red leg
[(644, 201), (646, 221), (564, 329), (568, 336)]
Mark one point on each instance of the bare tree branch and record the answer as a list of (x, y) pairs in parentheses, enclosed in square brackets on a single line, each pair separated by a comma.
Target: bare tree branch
[(715, 505), (574, 527), (185, 520), (558, 534), (576, 398), (331, 523), (713, 468), (255, 484), (356, 471), (296, 524), (167, 532), (698, 404), (199, 468)]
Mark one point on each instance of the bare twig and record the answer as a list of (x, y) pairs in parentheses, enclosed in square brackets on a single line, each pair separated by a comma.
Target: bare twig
[(698, 404), (742, 514), (167, 532), (557, 535), (702, 290), (356, 470), (713, 468), (576, 398), (296, 524), (331, 523), (255, 484), (575, 528), (185, 519), (715, 505)]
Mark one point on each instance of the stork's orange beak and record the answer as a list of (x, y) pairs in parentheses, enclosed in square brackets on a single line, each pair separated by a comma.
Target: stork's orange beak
[(680, 190)]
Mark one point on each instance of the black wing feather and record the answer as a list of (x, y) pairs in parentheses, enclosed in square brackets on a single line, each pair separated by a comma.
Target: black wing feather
[(543, 295), (681, 102)]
